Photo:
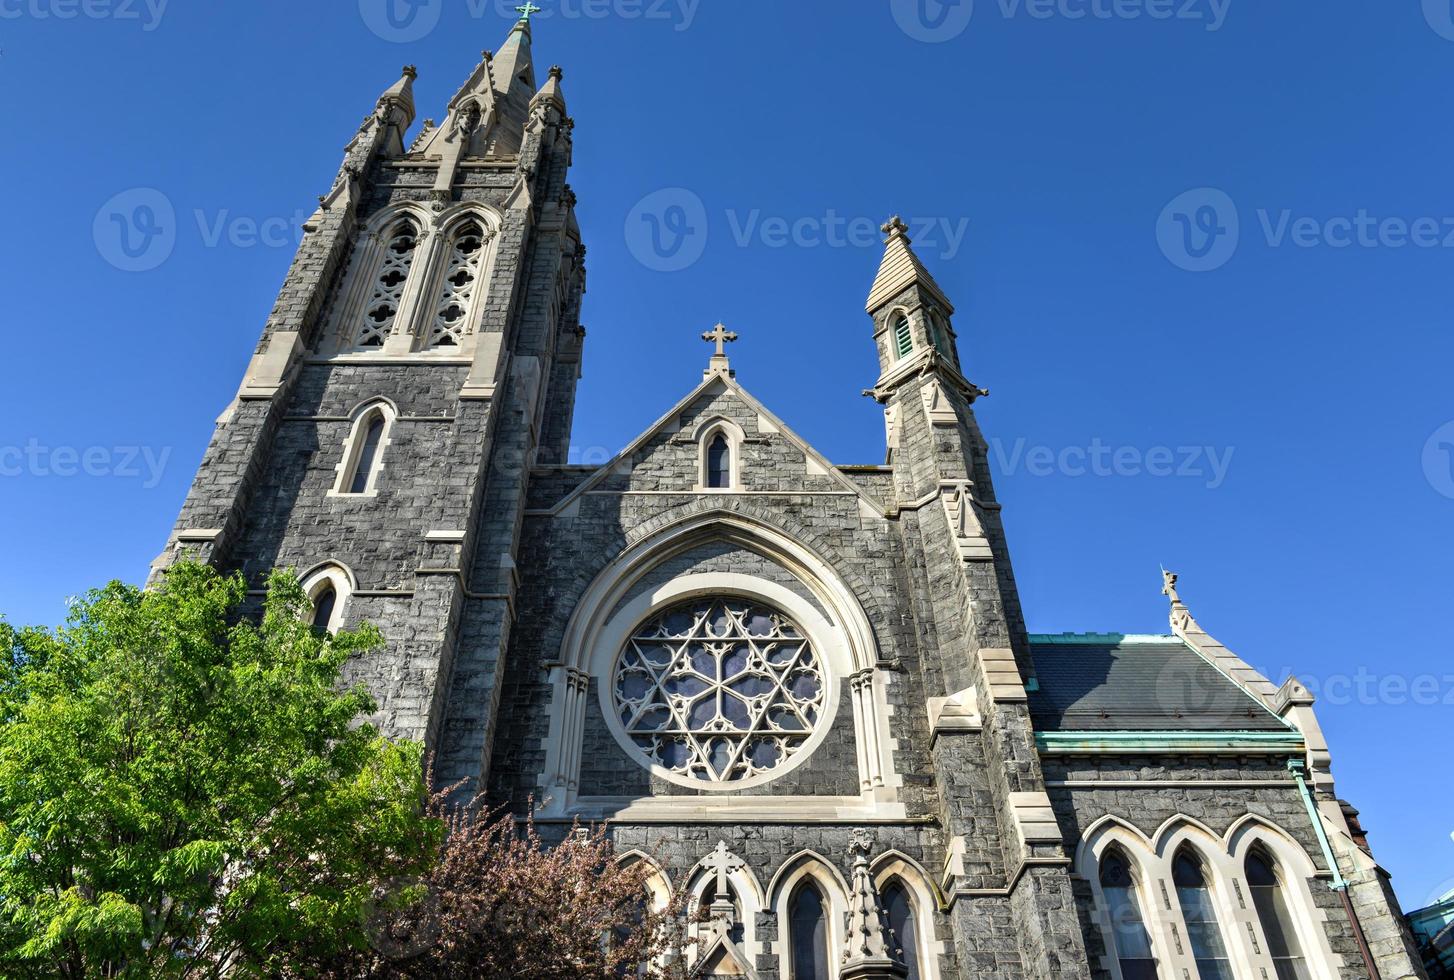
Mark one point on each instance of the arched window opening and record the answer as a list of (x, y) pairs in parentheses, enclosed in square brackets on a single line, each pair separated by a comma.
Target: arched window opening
[(1270, 899), (903, 336), (388, 292), (719, 463), (1203, 930), (899, 907), (325, 603), (808, 934), (368, 455), (460, 279), (1130, 942)]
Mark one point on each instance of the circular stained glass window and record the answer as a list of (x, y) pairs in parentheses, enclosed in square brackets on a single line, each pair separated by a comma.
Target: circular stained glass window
[(719, 690)]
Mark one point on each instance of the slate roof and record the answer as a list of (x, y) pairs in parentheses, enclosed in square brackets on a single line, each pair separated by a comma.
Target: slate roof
[(1110, 682)]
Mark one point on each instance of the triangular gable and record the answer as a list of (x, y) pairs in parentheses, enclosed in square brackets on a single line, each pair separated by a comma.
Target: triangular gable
[(723, 959), (666, 426)]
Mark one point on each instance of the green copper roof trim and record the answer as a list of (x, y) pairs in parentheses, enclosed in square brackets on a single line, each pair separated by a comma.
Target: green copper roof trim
[(1101, 639), (1208, 743)]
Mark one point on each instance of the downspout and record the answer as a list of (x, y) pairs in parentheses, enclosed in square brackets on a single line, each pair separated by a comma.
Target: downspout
[(1340, 884)]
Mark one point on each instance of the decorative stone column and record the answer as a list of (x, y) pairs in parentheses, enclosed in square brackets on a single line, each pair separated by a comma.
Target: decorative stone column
[(872, 952)]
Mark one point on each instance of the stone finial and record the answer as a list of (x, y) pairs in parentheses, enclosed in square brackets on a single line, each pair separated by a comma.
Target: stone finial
[(487, 54), (410, 72), (556, 72), (871, 951), (895, 227), (719, 365), (1169, 591)]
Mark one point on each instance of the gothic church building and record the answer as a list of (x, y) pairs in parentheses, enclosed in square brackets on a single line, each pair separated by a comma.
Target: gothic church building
[(805, 692)]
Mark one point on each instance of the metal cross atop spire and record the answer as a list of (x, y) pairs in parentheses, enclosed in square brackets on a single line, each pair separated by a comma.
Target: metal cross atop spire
[(721, 336), (527, 10)]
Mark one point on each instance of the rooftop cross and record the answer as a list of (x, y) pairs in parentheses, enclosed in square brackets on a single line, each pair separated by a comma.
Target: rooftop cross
[(528, 9), (722, 862), (721, 336)]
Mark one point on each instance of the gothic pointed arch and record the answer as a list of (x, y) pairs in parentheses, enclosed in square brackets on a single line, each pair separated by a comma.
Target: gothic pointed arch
[(838, 652), (379, 282), (459, 276), (719, 449), (365, 449), (328, 586), (810, 899), (911, 901)]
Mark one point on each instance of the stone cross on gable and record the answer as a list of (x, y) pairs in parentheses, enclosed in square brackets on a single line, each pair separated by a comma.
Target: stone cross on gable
[(722, 336), (722, 862)]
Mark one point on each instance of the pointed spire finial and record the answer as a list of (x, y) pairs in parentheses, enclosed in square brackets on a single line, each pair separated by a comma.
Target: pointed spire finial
[(410, 72), (527, 9), (556, 72), (895, 228), (871, 951)]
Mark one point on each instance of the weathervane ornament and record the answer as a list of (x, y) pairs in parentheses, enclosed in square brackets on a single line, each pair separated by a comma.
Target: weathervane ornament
[(527, 10)]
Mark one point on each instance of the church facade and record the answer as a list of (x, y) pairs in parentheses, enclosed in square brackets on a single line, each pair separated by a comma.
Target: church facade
[(804, 692)]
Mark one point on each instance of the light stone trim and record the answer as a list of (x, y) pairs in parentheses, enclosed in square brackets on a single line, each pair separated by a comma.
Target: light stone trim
[(1002, 674), (808, 865), (1035, 819), (341, 579), (347, 468)]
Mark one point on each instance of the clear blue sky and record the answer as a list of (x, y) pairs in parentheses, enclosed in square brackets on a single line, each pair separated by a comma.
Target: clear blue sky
[(1316, 351)]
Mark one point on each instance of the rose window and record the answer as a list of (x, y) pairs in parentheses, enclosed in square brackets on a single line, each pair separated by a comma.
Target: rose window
[(719, 690)]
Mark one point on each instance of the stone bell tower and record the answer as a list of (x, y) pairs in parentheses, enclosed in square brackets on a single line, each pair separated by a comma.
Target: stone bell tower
[(422, 355)]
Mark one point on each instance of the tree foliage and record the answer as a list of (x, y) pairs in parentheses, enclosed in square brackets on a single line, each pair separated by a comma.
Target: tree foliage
[(499, 903), (185, 792)]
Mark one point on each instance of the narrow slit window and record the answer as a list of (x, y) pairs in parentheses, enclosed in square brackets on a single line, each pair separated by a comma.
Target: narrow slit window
[(905, 924), (808, 935), (1130, 942), (903, 337), (1270, 899), (388, 292), (1200, 912), (368, 455), (719, 463), (324, 605)]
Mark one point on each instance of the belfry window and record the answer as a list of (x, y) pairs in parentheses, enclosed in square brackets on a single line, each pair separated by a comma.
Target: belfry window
[(1270, 899), (1130, 942), (388, 291), (1199, 910), (808, 934), (719, 463), (904, 923), (461, 277), (903, 336), (368, 455)]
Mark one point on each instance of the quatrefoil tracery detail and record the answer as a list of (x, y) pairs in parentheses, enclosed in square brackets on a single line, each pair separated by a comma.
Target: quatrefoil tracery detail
[(719, 690)]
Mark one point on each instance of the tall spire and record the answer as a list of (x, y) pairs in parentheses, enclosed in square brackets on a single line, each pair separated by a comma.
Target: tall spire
[(515, 69), (901, 269)]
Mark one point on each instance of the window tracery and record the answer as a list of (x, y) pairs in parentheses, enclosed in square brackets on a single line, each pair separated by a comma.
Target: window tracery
[(382, 309), (461, 277), (719, 690)]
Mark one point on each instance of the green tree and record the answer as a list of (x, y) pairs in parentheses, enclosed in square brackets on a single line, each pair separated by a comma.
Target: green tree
[(188, 792)]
